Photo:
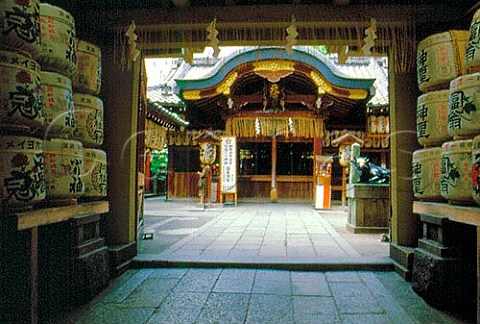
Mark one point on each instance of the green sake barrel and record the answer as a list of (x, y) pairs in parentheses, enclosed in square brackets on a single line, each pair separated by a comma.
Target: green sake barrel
[(64, 169), (441, 58), (426, 173), (95, 177), (456, 181)]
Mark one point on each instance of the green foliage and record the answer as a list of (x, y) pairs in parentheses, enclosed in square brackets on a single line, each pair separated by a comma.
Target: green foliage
[(159, 163)]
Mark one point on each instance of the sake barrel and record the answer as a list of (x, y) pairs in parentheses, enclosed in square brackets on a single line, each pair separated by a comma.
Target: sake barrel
[(464, 107), (95, 178), (472, 55), (476, 169), (59, 45), (441, 58), (456, 180), (20, 92), (64, 168), (22, 169), (88, 119), (20, 25), (89, 75), (58, 105), (426, 173), (432, 110)]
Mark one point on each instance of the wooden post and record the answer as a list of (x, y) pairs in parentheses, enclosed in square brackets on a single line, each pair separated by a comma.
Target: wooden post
[(317, 150), (273, 191)]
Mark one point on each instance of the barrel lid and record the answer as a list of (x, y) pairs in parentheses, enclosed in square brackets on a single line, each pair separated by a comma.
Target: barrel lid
[(56, 79), (87, 100), (465, 81), (84, 46), (434, 96), (20, 58), (458, 35), (56, 145), (430, 152), (94, 154), (461, 146), (57, 13)]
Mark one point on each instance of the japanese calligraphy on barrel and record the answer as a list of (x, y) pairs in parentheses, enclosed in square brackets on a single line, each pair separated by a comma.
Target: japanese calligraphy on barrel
[(88, 119), (59, 45), (456, 166), (441, 58), (57, 97), (432, 109), (476, 169), (89, 76), (20, 25), (22, 180), (464, 107), (95, 173), (64, 169), (20, 92), (472, 55), (426, 173)]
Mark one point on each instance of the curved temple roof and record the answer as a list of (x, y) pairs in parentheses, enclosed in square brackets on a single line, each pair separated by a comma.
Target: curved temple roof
[(316, 62)]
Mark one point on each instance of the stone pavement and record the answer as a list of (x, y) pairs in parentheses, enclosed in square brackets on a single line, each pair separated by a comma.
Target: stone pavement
[(256, 263), (181, 295), (255, 234)]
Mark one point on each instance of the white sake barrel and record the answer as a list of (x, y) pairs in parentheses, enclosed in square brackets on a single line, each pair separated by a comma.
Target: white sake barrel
[(441, 58), (22, 169), (88, 119), (59, 45), (89, 62), (57, 96), (476, 169), (20, 92), (432, 116), (64, 168), (456, 181), (20, 25), (426, 173), (472, 55), (95, 173), (464, 107)]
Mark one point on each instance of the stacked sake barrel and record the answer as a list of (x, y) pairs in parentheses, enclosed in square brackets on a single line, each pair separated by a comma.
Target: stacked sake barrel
[(447, 119), (22, 167), (89, 118)]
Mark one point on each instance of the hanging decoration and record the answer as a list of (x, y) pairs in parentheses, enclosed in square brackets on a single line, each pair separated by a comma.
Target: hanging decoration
[(275, 126), (212, 37), (371, 36), (395, 36), (292, 35), (133, 52)]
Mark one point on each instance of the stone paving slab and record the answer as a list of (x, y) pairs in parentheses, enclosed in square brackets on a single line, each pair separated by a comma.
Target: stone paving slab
[(342, 297)]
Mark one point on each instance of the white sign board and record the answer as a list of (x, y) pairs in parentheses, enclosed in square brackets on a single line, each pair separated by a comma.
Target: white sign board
[(228, 164)]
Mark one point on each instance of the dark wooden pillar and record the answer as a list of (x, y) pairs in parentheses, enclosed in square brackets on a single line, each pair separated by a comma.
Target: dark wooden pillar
[(273, 191)]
